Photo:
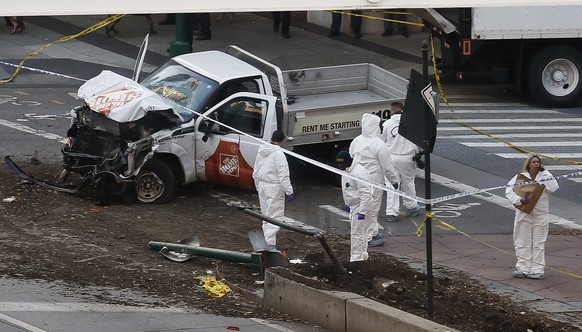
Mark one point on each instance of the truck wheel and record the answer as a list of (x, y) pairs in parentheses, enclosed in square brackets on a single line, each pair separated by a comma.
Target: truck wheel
[(554, 76), (155, 182)]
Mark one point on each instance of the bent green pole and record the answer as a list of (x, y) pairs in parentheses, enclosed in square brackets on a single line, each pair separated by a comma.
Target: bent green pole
[(254, 259)]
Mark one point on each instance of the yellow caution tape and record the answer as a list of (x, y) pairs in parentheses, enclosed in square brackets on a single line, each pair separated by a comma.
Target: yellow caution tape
[(64, 39), (447, 226), (380, 18), (215, 288)]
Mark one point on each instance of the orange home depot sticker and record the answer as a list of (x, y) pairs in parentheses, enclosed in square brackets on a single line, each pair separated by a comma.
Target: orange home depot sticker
[(105, 103), (228, 167)]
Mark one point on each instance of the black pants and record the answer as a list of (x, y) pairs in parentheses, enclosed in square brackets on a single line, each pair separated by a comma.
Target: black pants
[(283, 18), (401, 26), (355, 21)]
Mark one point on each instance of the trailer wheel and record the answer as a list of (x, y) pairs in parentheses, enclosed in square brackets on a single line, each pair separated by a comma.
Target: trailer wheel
[(554, 76), (155, 182)]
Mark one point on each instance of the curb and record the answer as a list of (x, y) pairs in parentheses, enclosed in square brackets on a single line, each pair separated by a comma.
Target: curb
[(334, 310)]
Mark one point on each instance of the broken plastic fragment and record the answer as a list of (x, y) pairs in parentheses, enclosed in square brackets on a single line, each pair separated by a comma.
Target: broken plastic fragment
[(9, 199)]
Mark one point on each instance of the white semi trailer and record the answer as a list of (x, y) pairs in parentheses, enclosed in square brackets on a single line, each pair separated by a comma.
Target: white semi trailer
[(536, 48)]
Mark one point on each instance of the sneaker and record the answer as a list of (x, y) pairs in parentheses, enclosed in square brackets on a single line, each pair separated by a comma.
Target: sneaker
[(412, 212), (378, 242), (390, 218), (536, 276), (518, 274)]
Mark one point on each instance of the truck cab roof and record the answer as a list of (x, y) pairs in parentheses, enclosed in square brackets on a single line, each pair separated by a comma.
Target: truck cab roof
[(223, 67)]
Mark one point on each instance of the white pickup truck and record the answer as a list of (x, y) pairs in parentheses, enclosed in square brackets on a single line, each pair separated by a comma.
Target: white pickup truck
[(178, 125)]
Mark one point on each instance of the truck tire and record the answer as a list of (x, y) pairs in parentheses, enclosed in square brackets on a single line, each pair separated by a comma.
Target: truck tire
[(554, 76), (155, 182)]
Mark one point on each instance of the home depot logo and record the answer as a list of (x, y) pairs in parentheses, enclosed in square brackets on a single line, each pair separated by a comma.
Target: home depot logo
[(229, 165)]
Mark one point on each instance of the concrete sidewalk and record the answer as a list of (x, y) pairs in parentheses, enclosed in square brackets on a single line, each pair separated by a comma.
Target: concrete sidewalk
[(560, 293)]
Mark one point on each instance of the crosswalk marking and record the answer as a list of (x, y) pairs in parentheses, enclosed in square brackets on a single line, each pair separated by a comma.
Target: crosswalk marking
[(555, 155), (543, 131), (512, 128), (537, 120), (536, 135), (522, 144), (473, 111)]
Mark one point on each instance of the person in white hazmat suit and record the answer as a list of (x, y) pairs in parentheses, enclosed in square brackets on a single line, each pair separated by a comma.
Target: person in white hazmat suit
[(530, 230), (358, 200), (401, 152), (271, 175), (375, 158)]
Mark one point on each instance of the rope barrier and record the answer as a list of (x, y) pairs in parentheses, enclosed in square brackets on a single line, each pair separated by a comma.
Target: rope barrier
[(63, 39), (447, 226)]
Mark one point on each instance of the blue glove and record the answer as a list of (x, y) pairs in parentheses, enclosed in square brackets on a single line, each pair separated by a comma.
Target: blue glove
[(347, 208), (361, 216), (290, 198)]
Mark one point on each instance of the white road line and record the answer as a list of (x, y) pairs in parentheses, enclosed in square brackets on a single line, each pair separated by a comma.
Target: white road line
[(523, 144), (555, 155), (573, 168), (492, 198), (536, 135), (512, 128), (496, 111), (19, 324), (80, 307), (33, 131), (535, 120), (271, 325), (337, 211)]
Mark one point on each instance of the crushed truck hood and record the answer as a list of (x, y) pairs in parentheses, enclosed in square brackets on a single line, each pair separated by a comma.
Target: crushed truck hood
[(120, 98)]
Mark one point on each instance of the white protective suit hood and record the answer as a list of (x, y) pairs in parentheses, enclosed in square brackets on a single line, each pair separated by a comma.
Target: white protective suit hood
[(370, 125)]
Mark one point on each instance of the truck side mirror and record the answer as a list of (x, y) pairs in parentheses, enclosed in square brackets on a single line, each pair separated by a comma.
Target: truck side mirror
[(205, 128)]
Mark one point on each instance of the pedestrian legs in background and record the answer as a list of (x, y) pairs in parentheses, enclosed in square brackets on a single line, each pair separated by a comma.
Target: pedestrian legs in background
[(111, 30), (204, 21), (355, 22), (282, 20), (170, 19), (402, 29), (17, 23)]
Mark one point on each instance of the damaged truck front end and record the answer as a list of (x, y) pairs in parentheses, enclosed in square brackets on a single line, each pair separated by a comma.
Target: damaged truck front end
[(106, 154), (112, 138)]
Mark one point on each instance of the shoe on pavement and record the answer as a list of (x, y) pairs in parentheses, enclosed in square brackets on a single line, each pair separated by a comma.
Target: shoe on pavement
[(376, 242), (357, 35), (536, 276), (285, 34), (390, 218), (518, 274), (404, 34), (386, 33), (203, 37), (275, 27), (333, 34), (378, 236), (412, 212)]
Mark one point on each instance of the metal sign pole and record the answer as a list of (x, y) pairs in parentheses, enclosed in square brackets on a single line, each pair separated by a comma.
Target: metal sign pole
[(428, 207)]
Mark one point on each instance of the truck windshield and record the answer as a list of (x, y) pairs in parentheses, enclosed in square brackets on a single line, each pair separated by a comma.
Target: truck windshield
[(181, 86)]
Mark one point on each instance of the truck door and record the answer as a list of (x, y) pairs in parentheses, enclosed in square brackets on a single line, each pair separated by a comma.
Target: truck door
[(228, 138)]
